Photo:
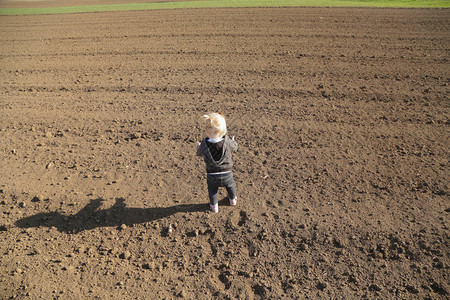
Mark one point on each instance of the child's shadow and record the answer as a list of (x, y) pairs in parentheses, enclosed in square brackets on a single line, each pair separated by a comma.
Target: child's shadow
[(91, 217)]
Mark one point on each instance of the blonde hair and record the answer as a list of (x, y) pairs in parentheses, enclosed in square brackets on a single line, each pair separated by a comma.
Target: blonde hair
[(216, 121)]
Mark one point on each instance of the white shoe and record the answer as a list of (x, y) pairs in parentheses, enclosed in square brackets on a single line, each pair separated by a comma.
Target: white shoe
[(233, 202), (214, 208)]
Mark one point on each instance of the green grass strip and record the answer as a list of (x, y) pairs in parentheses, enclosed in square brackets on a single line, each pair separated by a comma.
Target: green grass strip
[(225, 4)]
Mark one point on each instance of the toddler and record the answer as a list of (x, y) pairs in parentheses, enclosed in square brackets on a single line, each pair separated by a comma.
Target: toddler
[(216, 150)]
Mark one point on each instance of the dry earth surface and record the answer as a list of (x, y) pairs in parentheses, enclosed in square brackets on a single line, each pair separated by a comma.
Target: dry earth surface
[(341, 115)]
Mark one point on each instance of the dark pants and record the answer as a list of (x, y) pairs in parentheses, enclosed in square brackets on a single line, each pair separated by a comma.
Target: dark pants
[(220, 180)]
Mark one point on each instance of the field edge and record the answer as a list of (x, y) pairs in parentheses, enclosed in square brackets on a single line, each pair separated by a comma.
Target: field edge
[(223, 4)]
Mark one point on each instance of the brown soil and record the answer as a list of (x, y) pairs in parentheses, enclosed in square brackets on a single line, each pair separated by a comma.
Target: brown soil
[(342, 117)]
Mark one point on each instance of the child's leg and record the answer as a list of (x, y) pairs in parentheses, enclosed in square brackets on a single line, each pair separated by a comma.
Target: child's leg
[(213, 187), (231, 189)]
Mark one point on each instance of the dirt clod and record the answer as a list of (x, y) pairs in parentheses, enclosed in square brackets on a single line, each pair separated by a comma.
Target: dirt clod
[(125, 255)]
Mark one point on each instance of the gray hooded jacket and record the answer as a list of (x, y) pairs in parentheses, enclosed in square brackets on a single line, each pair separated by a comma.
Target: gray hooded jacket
[(225, 163)]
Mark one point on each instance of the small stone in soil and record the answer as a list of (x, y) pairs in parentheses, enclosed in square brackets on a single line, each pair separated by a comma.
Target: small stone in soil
[(303, 247), (321, 285), (37, 198), (125, 255), (374, 287)]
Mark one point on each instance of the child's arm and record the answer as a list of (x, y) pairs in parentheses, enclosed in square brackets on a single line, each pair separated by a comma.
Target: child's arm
[(199, 149), (233, 144)]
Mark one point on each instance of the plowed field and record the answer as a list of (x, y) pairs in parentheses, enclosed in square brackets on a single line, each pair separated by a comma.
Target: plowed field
[(341, 116)]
